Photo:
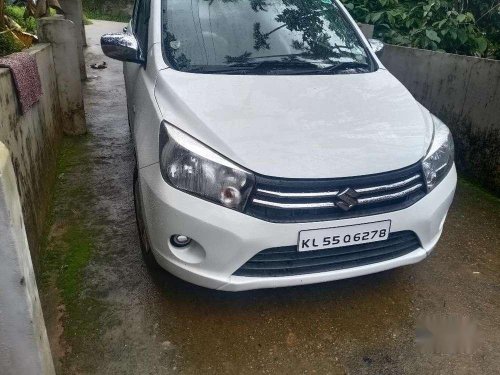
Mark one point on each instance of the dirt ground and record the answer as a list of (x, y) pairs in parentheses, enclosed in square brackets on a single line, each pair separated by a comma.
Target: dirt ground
[(107, 314)]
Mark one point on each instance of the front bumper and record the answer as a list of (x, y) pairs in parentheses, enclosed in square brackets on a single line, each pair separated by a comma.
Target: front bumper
[(224, 239)]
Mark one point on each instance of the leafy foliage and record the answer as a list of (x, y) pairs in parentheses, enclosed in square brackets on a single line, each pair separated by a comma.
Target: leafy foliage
[(18, 25), (39, 8), (444, 25), (11, 36), (117, 10), (9, 44), (17, 13)]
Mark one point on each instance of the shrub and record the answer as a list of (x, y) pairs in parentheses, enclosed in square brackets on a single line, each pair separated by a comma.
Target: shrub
[(9, 44), (17, 14), (118, 10), (441, 25)]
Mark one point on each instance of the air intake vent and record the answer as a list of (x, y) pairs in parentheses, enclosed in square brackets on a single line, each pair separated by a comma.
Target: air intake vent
[(287, 261)]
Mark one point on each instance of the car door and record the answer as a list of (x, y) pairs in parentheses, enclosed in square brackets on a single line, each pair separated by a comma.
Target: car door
[(139, 28)]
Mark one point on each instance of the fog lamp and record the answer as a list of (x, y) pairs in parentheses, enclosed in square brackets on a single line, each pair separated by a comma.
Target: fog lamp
[(179, 240)]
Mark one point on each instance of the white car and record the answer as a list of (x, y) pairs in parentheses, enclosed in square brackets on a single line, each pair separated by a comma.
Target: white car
[(273, 148)]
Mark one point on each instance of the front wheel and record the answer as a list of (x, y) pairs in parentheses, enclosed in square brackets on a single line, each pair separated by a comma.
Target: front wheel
[(146, 250)]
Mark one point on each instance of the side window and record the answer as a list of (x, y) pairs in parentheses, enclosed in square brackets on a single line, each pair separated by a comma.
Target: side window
[(141, 23)]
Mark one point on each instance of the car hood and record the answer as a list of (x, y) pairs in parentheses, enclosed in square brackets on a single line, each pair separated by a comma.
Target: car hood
[(308, 126)]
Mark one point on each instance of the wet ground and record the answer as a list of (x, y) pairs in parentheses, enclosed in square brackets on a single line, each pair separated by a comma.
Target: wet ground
[(107, 314)]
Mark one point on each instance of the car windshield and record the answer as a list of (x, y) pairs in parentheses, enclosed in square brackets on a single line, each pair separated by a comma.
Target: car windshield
[(261, 37)]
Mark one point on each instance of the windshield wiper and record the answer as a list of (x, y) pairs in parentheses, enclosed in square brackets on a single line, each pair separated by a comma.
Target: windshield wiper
[(272, 65), (345, 66), (289, 67), (215, 69), (266, 66), (333, 69)]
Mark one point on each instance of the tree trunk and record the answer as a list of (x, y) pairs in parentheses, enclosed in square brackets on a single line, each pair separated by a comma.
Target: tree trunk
[(2, 18)]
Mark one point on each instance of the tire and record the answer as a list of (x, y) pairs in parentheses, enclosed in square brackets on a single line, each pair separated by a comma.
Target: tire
[(147, 253)]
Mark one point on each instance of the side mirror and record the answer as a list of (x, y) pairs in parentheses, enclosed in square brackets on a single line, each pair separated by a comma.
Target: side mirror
[(123, 47), (377, 45)]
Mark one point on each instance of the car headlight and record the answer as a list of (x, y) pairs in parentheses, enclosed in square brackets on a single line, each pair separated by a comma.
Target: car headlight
[(190, 166), (440, 156)]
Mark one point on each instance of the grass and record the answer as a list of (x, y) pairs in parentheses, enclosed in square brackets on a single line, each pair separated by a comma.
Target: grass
[(99, 10), (65, 258), (86, 20), (480, 190), (95, 14), (68, 246)]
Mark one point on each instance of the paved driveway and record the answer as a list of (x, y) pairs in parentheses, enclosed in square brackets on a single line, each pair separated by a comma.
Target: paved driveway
[(108, 315)]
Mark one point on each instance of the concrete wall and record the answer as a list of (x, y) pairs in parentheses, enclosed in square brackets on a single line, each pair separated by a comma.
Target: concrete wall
[(28, 150), (462, 91), (61, 34), (32, 140), (24, 347), (366, 29), (74, 12)]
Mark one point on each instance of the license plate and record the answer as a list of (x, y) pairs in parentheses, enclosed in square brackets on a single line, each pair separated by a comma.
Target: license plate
[(328, 238)]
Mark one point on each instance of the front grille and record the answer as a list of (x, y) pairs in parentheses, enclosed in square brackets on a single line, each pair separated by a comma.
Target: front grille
[(288, 261), (301, 200)]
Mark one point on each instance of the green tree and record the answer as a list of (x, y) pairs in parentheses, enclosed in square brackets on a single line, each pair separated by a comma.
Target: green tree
[(456, 26)]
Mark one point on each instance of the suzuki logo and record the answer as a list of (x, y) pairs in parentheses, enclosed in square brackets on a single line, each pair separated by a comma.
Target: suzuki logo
[(347, 199)]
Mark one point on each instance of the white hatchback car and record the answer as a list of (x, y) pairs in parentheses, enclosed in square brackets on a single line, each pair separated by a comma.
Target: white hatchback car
[(273, 148)]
